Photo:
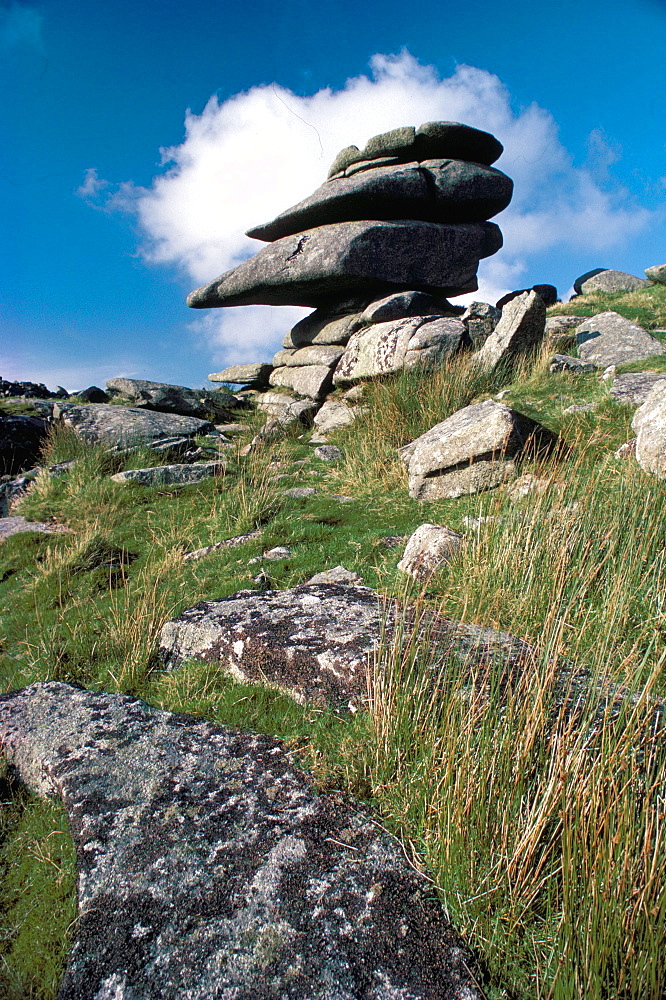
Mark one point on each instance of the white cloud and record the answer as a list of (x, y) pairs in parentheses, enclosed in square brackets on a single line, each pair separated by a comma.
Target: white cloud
[(246, 159)]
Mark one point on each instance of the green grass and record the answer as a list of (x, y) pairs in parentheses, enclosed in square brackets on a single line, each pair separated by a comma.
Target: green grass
[(542, 828)]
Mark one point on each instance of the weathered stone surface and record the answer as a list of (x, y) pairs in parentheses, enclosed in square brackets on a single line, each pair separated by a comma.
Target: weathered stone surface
[(610, 339), (20, 441), (312, 641), (319, 354), (338, 574), (93, 394), (657, 273), (527, 485), (126, 426), (15, 525), (328, 453), (433, 191), (300, 492), (286, 409), (470, 451), (254, 375), (429, 141), (633, 388), (521, 327), (561, 330), (334, 414), (402, 304), (608, 281), (480, 319), (649, 425), (404, 343), (209, 867), (313, 381), (428, 550), (170, 475), (315, 267), (201, 403), (567, 363), (578, 283), (325, 327), (225, 543)]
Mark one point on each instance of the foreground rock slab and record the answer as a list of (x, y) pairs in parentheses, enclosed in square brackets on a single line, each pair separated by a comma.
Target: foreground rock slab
[(16, 525), (315, 642), (649, 424), (208, 867), (171, 475), (521, 328), (633, 388)]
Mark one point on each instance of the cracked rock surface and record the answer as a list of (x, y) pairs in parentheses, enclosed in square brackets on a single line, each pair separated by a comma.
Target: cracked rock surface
[(208, 869)]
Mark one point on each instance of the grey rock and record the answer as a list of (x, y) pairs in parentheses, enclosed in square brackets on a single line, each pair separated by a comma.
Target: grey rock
[(580, 408), (567, 363), (104, 423), (16, 525), (547, 292), (318, 438), (610, 339), (201, 403), (657, 274), (399, 305), (428, 550), (527, 485), (649, 425), (521, 328), (319, 354), (450, 140), (254, 375), (578, 283), (209, 867), (609, 281), (276, 554), (225, 543), (338, 575), (286, 409), (314, 642), (333, 415), (471, 451), (170, 475), (21, 439), (93, 394), (387, 347), (480, 319), (342, 498), (300, 492), (633, 388), (626, 450), (313, 381), (315, 267), (433, 191), (324, 327), (232, 428), (328, 453)]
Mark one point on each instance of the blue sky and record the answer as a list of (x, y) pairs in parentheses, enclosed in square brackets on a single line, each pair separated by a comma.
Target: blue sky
[(104, 233)]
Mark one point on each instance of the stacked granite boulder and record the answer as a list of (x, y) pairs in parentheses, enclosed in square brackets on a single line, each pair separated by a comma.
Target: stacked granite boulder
[(396, 228)]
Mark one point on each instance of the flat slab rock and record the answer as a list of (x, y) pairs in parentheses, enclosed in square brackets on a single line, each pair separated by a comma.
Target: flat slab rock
[(633, 388), (610, 339), (128, 425), (15, 525), (354, 258), (209, 868), (315, 642)]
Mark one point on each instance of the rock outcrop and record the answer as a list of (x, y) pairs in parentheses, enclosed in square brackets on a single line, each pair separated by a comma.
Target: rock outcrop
[(104, 423), (208, 866), (610, 339), (202, 403)]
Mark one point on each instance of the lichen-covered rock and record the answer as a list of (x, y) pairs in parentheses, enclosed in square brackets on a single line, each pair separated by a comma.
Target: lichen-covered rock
[(104, 423), (608, 280), (16, 525), (312, 381), (404, 343), (656, 273), (520, 328), (433, 191), (208, 866), (202, 403), (356, 258), (334, 414), (324, 327), (402, 304), (338, 574), (561, 330), (428, 550), (567, 363), (314, 642), (610, 339), (286, 409), (480, 319), (170, 475), (253, 374), (633, 388), (649, 425), (470, 451), (315, 354)]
